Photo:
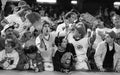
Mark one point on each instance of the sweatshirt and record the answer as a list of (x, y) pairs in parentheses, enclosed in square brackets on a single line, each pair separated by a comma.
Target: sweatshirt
[(9, 60)]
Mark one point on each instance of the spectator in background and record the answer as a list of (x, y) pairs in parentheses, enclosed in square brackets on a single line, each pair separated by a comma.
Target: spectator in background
[(34, 59), (116, 29)]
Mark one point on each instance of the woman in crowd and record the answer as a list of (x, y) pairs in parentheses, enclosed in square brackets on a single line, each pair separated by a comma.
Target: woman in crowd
[(107, 53)]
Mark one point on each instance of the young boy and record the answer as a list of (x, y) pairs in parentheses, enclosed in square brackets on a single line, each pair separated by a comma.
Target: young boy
[(64, 58), (34, 60), (9, 57)]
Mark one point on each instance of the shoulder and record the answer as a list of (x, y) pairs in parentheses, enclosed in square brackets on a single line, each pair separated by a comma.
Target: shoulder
[(102, 44), (2, 51), (15, 52), (37, 38), (61, 25), (85, 39), (117, 47), (53, 33)]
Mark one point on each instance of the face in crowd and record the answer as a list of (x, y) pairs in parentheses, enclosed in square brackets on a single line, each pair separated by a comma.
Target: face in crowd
[(46, 28), (9, 46), (116, 21), (109, 39), (73, 18)]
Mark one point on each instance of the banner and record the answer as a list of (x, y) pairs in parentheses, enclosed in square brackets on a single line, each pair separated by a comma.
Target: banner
[(88, 17)]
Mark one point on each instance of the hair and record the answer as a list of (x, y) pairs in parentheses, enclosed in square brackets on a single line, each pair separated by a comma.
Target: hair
[(68, 15), (45, 22), (58, 40), (30, 49)]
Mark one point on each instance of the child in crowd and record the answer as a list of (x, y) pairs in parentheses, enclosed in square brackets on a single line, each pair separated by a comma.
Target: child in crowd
[(64, 58), (34, 60), (9, 57)]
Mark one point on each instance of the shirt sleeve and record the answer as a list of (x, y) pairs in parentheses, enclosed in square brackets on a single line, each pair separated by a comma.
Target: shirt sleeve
[(37, 42), (98, 54), (61, 30)]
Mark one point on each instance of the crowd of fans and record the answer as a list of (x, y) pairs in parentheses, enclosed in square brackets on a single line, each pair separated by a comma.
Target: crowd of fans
[(72, 41)]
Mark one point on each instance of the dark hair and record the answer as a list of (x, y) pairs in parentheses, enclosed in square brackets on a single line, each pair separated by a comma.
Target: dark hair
[(44, 23), (58, 40), (68, 15), (30, 50)]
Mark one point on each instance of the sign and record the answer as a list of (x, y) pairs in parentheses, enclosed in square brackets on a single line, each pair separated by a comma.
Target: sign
[(88, 17)]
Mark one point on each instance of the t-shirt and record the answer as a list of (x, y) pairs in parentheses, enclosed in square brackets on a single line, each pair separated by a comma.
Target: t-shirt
[(80, 46), (47, 50), (10, 59), (60, 58)]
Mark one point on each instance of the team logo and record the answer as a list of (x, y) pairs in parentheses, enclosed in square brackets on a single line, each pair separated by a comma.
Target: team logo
[(66, 59), (79, 47)]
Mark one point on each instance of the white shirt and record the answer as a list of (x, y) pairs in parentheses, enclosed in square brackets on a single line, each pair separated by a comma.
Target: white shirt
[(13, 56), (98, 35), (46, 54), (116, 30), (62, 29), (81, 46)]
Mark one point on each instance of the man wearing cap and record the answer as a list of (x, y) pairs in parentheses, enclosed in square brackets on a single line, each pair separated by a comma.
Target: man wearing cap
[(107, 53)]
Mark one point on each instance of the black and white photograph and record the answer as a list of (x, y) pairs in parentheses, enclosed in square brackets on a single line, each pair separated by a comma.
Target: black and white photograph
[(59, 37)]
